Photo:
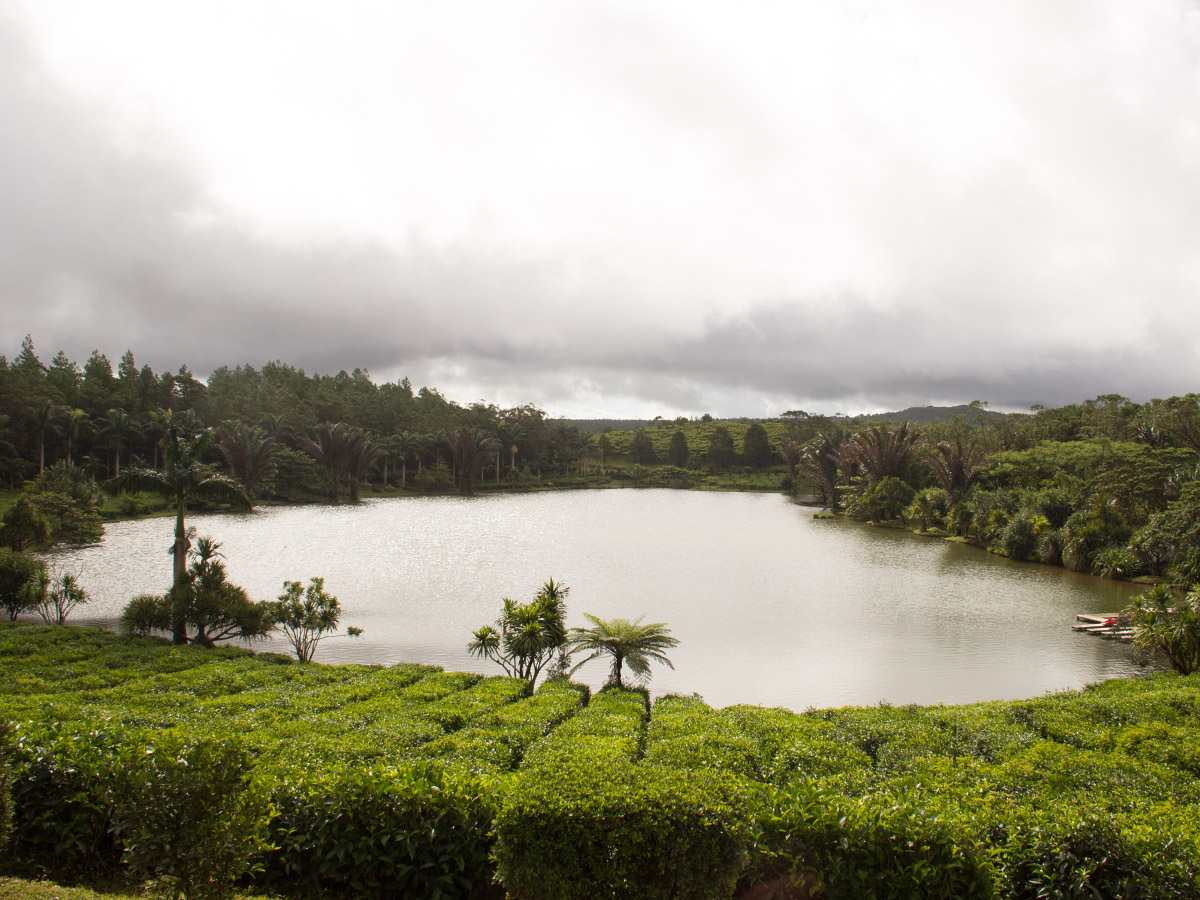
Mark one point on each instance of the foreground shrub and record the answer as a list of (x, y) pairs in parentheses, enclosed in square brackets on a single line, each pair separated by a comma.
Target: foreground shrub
[(1067, 850), (5, 784), (641, 832), (64, 790), (402, 831), (839, 847), (189, 815)]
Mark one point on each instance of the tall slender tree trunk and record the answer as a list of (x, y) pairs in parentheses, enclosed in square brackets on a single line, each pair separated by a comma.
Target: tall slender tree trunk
[(179, 552)]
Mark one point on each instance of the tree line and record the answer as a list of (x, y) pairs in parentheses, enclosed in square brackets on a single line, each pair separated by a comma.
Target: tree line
[(284, 434)]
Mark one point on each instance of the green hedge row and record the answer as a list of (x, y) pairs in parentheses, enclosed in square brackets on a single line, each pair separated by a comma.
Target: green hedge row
[(606, 734), (498, 741)]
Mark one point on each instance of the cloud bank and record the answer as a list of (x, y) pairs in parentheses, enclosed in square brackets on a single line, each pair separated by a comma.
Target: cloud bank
[(610, 209)]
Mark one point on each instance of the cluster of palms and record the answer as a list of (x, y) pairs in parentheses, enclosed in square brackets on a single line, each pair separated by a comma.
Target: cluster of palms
[(529, 637), (837, 459)]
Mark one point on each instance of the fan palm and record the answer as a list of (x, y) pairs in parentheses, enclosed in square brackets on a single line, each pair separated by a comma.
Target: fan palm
[(250, 454), (184, 477), (627, 643)]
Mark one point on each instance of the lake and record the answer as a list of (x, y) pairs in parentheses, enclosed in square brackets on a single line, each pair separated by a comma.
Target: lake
[(770, 606)]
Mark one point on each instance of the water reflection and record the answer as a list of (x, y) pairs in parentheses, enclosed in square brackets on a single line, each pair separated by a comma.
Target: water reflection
[(771, 606)]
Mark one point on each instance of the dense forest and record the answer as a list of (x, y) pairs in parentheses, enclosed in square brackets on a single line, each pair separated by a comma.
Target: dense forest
[(1108, 486)]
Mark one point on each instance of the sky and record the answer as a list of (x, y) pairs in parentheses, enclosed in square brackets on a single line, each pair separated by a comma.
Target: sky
[(614, 209)]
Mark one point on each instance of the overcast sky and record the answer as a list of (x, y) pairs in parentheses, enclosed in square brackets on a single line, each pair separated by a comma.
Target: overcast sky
[(614, 208)]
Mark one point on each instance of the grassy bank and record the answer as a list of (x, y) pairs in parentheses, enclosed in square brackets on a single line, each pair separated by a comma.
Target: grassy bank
[(434, 783)]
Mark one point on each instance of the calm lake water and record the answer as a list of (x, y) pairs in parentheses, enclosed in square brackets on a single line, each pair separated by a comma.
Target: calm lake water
[(770, 606)]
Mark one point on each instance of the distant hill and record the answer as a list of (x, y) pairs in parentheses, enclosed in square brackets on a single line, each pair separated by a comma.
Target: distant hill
[(917, 415), (927, 415)]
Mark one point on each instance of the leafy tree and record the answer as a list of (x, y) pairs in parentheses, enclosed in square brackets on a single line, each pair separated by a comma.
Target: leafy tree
[(677, 452), (929, 506), (527, 636), (69, 499), (23, 525), (625, 643), (756, 447), (204, 603), (720, 455), (307, 615), (185, 477), (886, 500), (19, 577), (641, 449), (344, 451)]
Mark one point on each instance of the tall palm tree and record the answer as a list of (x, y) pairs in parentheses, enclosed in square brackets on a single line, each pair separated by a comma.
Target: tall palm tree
[(470, 449), (75, 424), (115, 429), (184, 477), (627, 643), (406, 444), (44, 420)]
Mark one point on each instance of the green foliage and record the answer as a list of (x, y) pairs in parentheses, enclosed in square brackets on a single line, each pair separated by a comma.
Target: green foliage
[(756, 447), (720, 455), (677, 452), (402, 831), (189, 815), (58, 597), (306, 615), (625, 643), (20, 577), (527, 636), (1168, 621), (641, 449), (844, 848), (68, 501), (6, 801), (395, 781), (23, 524), (886, 500), (643, 832), (204, 607)]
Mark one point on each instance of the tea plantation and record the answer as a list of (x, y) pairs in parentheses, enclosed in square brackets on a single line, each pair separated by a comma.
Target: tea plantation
[(136, 760)]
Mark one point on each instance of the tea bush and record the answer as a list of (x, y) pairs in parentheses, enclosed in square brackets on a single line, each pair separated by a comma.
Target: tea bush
[(402, 831)]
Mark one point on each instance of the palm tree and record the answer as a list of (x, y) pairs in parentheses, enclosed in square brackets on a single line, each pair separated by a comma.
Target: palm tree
[(44, 421), (249, 452), (470, 449), (630, 643), (337, 448), (405, 444), (821, 458), (184, 477), (75, 424), (955, 464), (115, 429), (882, 452)]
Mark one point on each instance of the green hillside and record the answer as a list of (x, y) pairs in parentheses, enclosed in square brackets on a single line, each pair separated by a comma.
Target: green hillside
[(411, 781)]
